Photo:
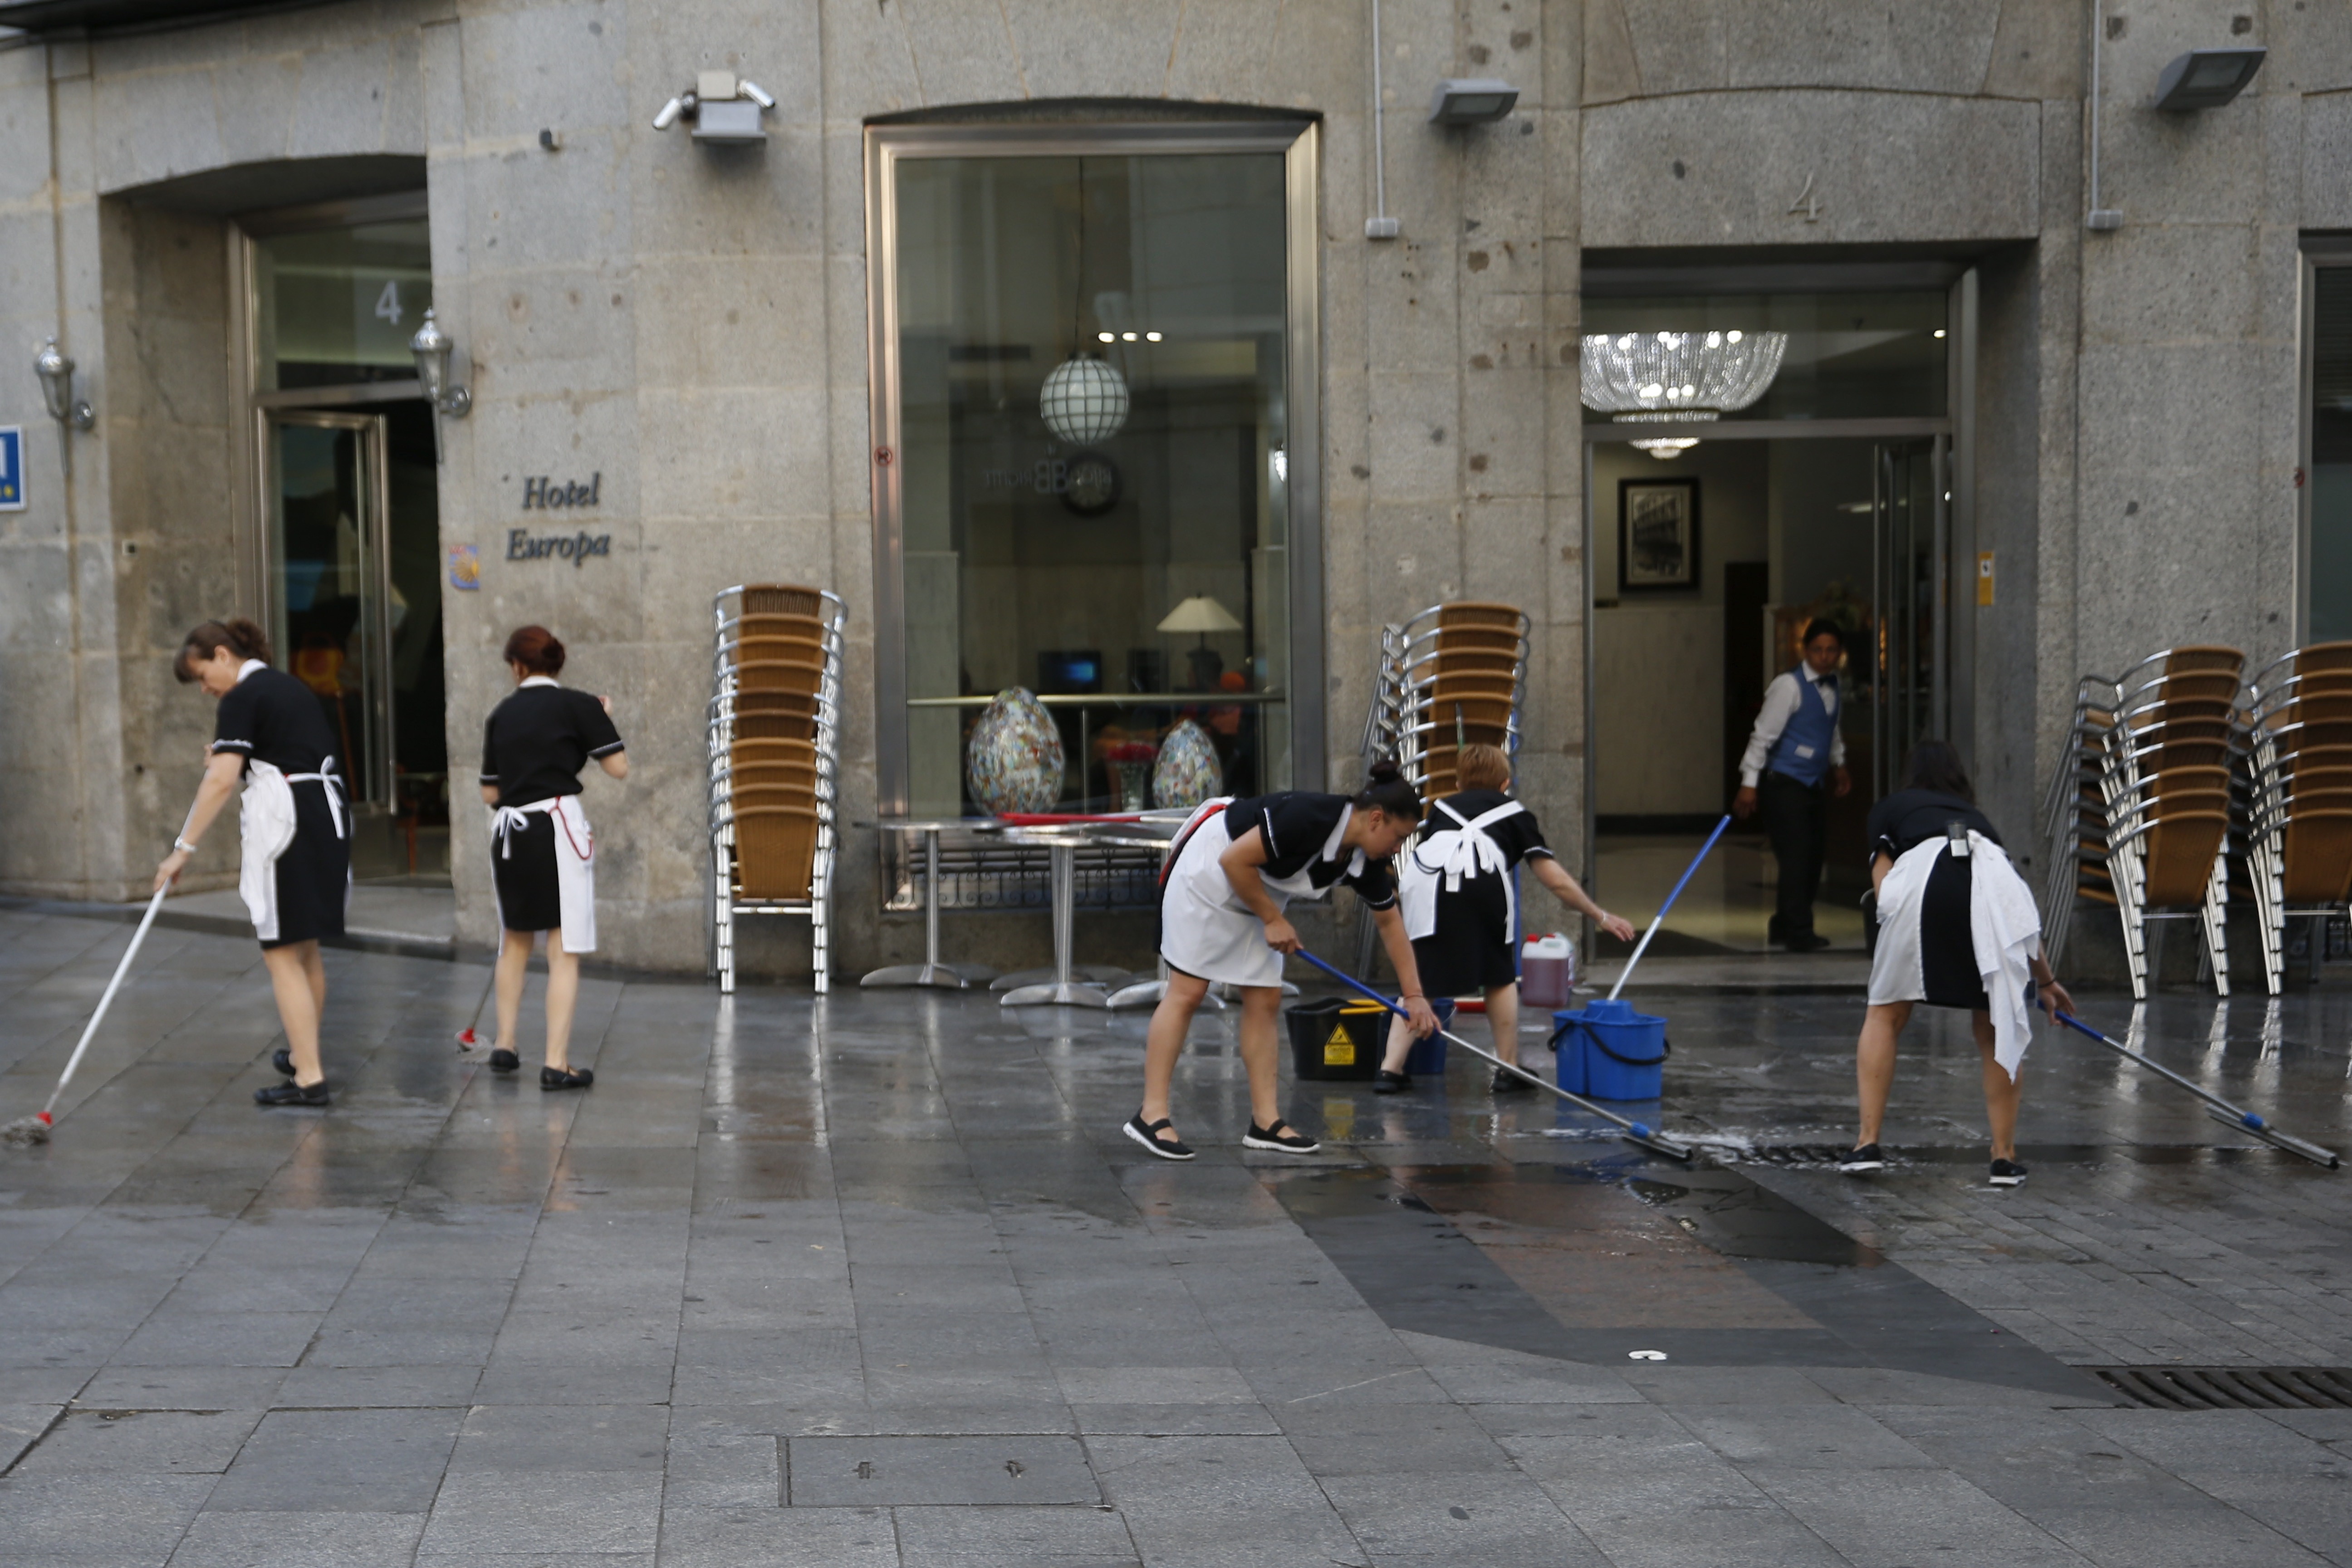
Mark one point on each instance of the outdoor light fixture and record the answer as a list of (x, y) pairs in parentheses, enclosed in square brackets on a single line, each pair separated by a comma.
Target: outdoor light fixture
[(56, 372), (2207, 78), (432, 348), (724, 107), (1470, 100), (1677, 377)]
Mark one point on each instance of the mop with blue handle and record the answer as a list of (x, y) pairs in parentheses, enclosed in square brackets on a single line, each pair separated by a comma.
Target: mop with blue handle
[(2217, 1108), (1659, 919), (1635, 1131)]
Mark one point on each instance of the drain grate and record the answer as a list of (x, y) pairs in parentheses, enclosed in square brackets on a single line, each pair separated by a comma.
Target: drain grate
[(2232, 1387)]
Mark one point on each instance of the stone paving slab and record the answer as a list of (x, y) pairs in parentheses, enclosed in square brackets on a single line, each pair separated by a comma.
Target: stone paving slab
[(454, 1321)]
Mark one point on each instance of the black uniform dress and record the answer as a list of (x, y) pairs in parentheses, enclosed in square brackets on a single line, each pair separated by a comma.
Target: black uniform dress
[(1948, 954), (533, 747), (1206, 931), (270, 717), (1471, 950)]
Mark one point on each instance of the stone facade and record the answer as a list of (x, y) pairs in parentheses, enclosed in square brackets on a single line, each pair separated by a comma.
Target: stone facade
[(693, 328)]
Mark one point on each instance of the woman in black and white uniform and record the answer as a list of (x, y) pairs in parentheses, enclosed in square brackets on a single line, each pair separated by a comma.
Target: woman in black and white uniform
[(1236, 866), (1956, 928), (295, 824), (543, 851), (1462, 914)]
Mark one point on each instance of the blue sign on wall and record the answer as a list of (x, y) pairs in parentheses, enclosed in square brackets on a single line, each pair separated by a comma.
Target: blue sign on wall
[(12, 468)]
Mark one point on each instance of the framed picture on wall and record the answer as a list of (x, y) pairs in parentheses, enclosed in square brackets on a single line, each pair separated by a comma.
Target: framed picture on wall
[(1657, 534)]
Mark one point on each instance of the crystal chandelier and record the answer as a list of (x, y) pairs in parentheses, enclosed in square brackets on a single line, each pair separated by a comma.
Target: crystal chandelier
[(1678, 377)]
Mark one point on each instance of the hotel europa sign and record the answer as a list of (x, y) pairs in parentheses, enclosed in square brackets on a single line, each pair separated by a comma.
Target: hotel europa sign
[(541, 492)]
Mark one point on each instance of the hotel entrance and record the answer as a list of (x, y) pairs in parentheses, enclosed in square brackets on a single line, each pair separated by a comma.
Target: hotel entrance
[(345, 522), (1757, 461)]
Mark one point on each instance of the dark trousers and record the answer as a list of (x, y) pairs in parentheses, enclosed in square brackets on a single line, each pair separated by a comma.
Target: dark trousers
[(1797, 820)]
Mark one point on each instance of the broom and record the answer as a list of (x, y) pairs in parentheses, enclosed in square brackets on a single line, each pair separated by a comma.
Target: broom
[(36, 1128)]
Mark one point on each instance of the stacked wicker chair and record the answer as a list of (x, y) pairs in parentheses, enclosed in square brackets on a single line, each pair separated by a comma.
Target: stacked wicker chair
[(2296, 738), (774, 743), (2140, 811), (1459, 676)]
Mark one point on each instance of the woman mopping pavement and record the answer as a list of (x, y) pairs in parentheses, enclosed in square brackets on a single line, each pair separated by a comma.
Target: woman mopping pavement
[(1236, 866), (1461, 910), (1956, 928), (542, 852), (295, 824)]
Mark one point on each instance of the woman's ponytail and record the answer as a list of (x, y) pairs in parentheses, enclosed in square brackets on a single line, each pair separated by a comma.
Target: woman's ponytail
[(237, 634), (1385, 791)]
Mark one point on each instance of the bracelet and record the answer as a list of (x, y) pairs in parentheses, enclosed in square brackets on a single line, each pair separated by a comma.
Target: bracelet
[(184, 846)]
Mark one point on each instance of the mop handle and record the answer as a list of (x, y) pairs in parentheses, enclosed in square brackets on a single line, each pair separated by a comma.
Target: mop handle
[(1659, 919), (2247, 1116), (1639, 1130), (99, 1017)]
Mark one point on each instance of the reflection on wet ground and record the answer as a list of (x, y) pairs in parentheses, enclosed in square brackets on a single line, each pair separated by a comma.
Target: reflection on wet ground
[(897, 1238)]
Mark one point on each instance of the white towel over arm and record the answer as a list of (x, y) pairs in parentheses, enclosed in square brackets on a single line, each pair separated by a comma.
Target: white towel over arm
[(2007, 931)]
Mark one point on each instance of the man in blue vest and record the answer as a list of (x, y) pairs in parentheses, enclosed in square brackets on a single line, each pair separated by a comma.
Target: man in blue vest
[(1795, 761)]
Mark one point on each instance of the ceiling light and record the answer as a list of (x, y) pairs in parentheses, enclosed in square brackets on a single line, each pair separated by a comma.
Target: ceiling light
[(1667, 446), (1129, 336), (1939, 331), (1105, 337), (1151, 337), (2207, 78), (1473, 100), (1085, 400)]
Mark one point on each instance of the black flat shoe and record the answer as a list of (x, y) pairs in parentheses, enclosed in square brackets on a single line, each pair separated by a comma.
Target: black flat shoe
[(1862, 1159), (293, 1094), (504, 1061), (283, 1060), (2008, 1174), (560, 1078), (1510, 1083), (1387, 1083), (1281, 1138), (1148, 1134)]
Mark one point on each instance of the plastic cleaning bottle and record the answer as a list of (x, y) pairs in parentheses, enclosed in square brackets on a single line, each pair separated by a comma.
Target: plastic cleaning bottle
[(1547, 971)]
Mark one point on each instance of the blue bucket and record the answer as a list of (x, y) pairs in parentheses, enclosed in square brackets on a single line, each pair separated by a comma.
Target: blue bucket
[(1608, 1051), (1428, 1058)]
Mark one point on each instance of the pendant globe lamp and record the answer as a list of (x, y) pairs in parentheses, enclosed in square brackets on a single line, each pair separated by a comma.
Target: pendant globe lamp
[(1085, 400)]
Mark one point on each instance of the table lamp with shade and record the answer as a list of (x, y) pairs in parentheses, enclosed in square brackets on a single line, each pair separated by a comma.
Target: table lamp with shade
[(1203, 614)]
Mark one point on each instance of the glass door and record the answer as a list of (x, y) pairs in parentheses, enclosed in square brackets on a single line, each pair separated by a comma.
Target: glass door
[(329, 583), (1910, 523)]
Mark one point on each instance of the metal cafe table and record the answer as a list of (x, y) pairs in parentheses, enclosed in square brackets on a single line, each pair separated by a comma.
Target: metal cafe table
[(931, 972)]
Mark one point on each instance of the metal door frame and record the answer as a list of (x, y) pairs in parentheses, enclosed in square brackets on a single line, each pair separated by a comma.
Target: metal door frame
[(1890, 581), (374, 791)]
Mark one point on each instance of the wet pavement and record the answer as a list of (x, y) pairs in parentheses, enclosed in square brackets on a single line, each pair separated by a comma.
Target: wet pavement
[(875, 1281)]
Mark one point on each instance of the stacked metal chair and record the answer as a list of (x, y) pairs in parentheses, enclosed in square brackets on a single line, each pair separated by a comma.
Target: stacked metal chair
[(1458, 677), (2297, 740), (2139, 813), (774, 755)]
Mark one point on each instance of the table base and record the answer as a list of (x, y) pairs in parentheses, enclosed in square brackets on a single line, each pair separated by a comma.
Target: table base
[(1062, 994)]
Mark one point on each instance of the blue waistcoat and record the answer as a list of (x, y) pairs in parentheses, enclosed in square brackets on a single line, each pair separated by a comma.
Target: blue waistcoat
[(1802, 752)]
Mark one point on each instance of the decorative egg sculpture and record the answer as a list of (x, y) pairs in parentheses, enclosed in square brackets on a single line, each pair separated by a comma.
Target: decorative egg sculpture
[(1014, 763), (1188, 772)]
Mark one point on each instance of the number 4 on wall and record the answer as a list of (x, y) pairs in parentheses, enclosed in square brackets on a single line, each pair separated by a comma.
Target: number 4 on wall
[(387, 304), (1807, 205)]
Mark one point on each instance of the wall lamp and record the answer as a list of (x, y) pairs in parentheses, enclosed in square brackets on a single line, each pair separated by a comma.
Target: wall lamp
[(432, 348), (55, 371), (2207, 78), (1473, 100), (724, 107)]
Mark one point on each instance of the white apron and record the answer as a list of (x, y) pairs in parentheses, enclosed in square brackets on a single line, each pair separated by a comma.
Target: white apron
[(1204, 928), (2004, 930), (266, 824), (1452, 854), (575, 862)]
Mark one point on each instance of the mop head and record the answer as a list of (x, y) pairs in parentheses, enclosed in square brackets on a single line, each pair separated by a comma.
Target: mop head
[(27, 1129)]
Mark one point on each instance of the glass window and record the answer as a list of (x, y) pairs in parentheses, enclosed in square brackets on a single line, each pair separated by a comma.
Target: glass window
[(1093, 438), (335, 306), (1848, 357), (2329, 588)]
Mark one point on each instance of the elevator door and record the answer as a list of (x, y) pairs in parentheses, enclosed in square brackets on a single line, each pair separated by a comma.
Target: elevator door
[(329, 583), (1909, 678)]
